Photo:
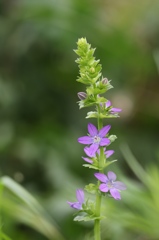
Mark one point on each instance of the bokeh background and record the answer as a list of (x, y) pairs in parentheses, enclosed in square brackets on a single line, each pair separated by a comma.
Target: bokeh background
[(40, 120)]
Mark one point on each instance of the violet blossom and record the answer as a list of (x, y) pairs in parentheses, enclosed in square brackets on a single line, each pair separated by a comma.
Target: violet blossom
[(112, 110), (107, 153), (96, 138), (109, 184), (80, 199)]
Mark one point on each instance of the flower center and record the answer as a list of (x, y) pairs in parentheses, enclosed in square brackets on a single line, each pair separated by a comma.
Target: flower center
[(110, 184), (96, 139)]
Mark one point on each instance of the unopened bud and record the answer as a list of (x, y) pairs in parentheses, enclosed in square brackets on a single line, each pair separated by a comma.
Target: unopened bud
[(82, 41), (92, 69), (112, 138), (105, 81), (81, 95)]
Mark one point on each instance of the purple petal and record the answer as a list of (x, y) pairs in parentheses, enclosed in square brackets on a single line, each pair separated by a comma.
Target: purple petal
[(80, 195), (104, 131), (93, 149), (111, 176), (109, 153), (103, 187), (101, 177), (70, 203), (87, 160), (108, 104), (88, 153), (92, 130), (75, 205), (115, 110), (115, 194), (98, 151), (85, 140), (104, 142), (119, 185)]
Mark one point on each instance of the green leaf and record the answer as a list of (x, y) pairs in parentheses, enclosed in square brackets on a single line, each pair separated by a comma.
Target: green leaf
[(91, 166), (107, 115), (91, 188), (96, 90), (82, 218), (92, 115), (101, 115), (109, 162), (89, 101), (101, 100), (88, 218)]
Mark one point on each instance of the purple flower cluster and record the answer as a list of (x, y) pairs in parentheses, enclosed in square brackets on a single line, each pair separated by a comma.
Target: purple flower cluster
[(94, 141), (108, 184)]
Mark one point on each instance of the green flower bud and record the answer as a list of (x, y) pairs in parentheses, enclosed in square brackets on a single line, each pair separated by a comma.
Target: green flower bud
[(112, 138), (92, 69)]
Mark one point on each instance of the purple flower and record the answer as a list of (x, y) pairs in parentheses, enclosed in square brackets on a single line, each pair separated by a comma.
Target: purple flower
[(112, 110), (109, 184), (96, 138), (87, 151), (80, 199)]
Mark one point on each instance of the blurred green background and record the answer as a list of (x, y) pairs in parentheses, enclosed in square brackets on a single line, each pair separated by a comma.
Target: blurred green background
[(40, 120)]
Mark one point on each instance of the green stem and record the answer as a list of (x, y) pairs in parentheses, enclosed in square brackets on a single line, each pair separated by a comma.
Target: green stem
[(97, 234), (1, 200), (97, 221)]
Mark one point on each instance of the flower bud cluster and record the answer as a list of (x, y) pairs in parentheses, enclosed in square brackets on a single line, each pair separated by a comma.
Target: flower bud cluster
[(90, 75)]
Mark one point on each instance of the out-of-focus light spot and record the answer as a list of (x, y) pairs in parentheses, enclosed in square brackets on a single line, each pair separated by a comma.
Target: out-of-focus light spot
[(6, 134), (19, 177), (123, 100)]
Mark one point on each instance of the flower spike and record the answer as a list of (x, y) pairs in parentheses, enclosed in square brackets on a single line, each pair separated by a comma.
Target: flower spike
[(98, 139)]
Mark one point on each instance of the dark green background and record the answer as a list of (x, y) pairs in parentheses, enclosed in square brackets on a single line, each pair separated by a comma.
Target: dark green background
[(39, 116)]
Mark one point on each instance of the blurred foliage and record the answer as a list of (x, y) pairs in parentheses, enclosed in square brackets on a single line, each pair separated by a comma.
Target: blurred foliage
[(18, 203), (40, 120), (137, 216)]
